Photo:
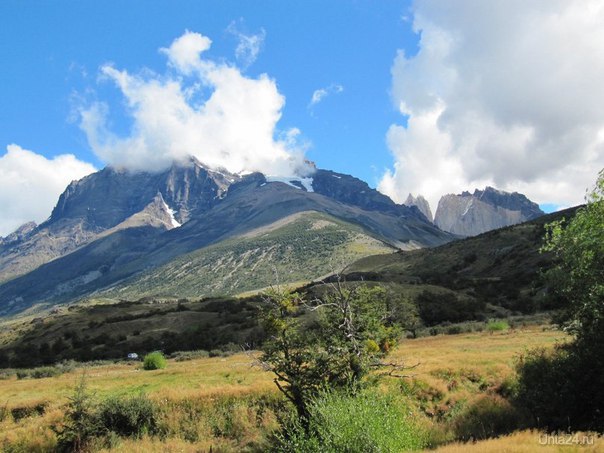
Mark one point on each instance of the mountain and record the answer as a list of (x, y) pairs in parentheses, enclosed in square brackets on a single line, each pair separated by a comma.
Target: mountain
[(420, 203), (471, 214), (495, 274), (106, 200), (113, 229)]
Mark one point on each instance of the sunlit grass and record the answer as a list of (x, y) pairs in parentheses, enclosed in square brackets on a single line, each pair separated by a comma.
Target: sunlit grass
[(529, 441), (214, 402)]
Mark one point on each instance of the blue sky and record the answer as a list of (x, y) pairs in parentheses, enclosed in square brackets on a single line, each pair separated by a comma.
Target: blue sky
[(55, 53), (422, 96)]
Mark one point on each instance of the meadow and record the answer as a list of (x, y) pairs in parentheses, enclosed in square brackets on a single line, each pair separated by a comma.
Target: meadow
[(231, 404)]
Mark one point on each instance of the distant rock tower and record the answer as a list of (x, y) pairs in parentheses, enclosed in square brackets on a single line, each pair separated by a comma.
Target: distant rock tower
[(420, 203), (472, 214)]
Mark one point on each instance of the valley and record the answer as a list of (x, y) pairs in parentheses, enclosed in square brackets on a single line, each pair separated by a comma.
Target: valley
[(231, 404)]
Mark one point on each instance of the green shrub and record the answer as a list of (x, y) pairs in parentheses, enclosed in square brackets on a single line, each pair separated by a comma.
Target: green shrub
[(154, 361), (129, 416), (367, 422), (497, 326), (489, 416)]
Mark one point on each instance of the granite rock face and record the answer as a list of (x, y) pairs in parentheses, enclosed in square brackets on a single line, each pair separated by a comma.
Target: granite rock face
[(472, 214), (420, 203)]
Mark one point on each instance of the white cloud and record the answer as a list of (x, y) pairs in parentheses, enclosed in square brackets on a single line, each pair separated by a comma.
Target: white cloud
[(30, 185), (248, 46), (500, 93), (184, 52), (321, 93), (233, 126)]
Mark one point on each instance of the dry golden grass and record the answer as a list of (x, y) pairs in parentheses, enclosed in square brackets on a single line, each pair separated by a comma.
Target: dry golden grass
[(455, 369), (232, 375), (489, 353), (197, 396), (528, 441)]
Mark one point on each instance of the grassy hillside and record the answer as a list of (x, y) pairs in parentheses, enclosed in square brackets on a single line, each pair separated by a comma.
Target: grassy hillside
[(298, 248), (229, 404), (111, 330), (500, 271)]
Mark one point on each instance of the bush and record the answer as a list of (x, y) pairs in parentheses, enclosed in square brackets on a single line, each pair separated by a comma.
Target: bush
[(489, 416), (130, 416), (368, 422), (497, 326), (563, 389), (154, 361)]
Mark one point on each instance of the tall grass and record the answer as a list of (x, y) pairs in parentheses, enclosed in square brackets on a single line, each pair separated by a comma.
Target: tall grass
[(225, 404)]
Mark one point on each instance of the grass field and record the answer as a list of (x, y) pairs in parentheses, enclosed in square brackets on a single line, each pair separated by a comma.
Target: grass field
[(230, 404)]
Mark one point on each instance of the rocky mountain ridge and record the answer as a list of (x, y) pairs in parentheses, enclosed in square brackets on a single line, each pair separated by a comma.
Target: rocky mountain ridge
[(113, 225), (470, 214)]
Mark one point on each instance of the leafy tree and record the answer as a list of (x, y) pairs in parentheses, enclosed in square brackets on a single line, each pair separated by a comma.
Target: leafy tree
[(579, 275), (326, 344), (565, 388), (404, 313)]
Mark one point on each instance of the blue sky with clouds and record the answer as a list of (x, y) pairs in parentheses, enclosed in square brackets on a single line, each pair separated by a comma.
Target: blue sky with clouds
[(427, 97), (53, 54)]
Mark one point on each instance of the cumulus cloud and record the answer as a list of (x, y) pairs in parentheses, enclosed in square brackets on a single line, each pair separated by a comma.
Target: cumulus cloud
[(322, 93), (30, 185), (202, 108), (500, 93), (248, 46)]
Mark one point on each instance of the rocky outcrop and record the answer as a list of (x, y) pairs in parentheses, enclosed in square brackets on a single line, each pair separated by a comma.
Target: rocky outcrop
[(471, 214), (420, 203), (19, 234)]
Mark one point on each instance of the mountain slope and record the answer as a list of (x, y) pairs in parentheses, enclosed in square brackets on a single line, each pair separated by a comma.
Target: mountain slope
[(297, 248), (502, 268)]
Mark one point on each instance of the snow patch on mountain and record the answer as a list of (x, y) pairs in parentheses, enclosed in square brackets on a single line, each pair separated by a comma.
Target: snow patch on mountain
[(175, 223), (291, 181)]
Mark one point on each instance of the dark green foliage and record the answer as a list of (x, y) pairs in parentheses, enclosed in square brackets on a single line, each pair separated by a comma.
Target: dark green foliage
[(154, 361), (564, 389), (404, 313), (348, 336), (435, 308), (129, 416), (367, 422), (20, 412), (118, 329), (489, 416), (502, 268)]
